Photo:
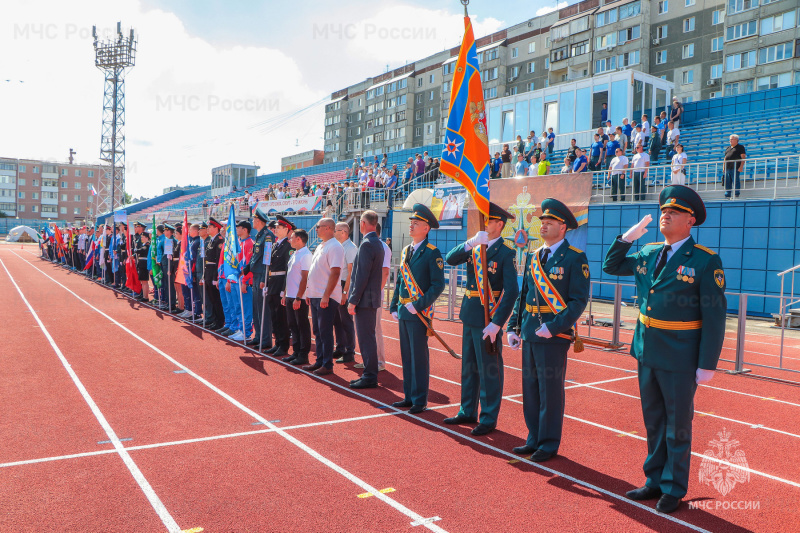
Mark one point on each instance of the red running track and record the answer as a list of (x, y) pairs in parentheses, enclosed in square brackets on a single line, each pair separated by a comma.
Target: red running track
[(234, 441)]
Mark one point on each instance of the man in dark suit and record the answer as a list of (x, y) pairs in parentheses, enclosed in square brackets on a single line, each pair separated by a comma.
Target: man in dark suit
[(364, 298), (276, 284)]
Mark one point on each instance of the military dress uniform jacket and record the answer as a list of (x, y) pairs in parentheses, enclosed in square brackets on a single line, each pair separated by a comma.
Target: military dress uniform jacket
[(427, 267), (502, 273), (279, 262), (256, 265), (568, 271), (681, 323), (213, 257)]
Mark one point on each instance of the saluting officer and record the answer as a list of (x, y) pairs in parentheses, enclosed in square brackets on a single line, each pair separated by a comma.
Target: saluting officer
[(215, 315), (279, 263), (420, 284), (555, 291), (481, 373), (678, 337), (259, 270)]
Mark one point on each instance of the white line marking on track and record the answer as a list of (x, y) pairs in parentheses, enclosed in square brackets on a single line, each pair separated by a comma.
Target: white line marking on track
[(598, 382), (148, 491), (313, 453)]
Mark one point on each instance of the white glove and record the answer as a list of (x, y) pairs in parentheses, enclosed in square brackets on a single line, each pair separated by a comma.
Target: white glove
[(513, 340), (638, 230), (703, 376), (410, 308), (480, 238), (491, 331), (394, 315), (543, 332)]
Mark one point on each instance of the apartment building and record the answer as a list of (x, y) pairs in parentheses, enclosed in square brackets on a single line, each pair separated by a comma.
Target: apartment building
[(36, 189), (707, 48)]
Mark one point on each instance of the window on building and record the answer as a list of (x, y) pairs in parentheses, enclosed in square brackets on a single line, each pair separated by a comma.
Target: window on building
[(512, 91), (78, 185), (494, 53), (661, 57), (532, 48), (663, 7), (63, 197), (629, 34), (740, 61), (21, 181), (64, 172), (662, 31), (490, 93), (22, 168), (34, 209), (430, 112), (716, 44), (579, 49), (514, 52), (63, 210), (774, 81), (77, 173), (21, 208), (430, 95), (418, 131), (629, 10), (739, 87), (559, 54), (419, 98), (531, 86), (603, 65), (717, 17), (76, 210), (21, 195), (779, 52), (432, 79), (34, 195), (446, 87), (737, 6), (490, 74), (606, 41), (689, 3), (419, 81), (35, 170), (628, 59), (64, 185), (578, 25), (77, 198), (418, 114), (687, 51), (547, 62), (531, 67), (740, 31), (687, 77), (716, 71), (783, 21), (688, 24), (448, 68), (90, 173), (606, 17)]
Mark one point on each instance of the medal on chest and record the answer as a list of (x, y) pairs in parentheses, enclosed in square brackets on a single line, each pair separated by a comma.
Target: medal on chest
[(557, 273), (686, 274), (492, 267), (641, 269)]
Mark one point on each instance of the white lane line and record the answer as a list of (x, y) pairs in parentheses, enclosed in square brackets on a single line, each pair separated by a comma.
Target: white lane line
[(151, 495), (720, 461), (420, 419), (211, 438), (313, 453), (575, 386)]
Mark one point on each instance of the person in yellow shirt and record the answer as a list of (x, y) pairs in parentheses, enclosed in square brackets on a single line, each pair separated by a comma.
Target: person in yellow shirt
[(544, 165)]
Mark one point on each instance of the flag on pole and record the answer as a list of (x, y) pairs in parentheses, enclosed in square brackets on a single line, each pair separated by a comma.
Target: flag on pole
[(90, 257), (94, 191), (466, 154), (152, 260), (112, 249), (183, 273), (230, 253)]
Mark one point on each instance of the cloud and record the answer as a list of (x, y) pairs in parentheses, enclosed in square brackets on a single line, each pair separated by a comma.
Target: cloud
[(545, 10)]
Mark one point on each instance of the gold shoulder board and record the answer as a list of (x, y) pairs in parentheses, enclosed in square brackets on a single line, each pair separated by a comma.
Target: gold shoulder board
[(575, 249), (654, 244), (712, 252), (432, 247)]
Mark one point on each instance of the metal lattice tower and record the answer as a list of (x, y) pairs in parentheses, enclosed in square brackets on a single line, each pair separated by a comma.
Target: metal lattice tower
[(113, 57)]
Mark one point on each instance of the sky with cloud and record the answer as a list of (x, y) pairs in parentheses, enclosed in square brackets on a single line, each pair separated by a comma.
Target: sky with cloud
[(214, 82)]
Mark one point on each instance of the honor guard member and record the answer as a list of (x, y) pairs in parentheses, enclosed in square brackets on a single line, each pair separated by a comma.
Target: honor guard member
[(279, 263), (158, 292), (215, 315), (201, 265), (421, 283), (176, 259), (142, 253), (168, 274), (482, 373), (678, 337), (136, 242), (122, 248), (555, 291), (259, 270)]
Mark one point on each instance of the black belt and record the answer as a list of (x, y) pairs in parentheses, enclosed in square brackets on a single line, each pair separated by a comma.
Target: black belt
[(210, 263)]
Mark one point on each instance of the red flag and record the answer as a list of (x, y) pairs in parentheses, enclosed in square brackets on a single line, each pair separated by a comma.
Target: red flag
[(131, 275), (183, 273), (59, 237)]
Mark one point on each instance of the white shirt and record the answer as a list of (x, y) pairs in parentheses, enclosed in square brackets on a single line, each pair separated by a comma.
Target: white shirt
[(674, 249), (678, 160), (609, 130), (671, 134), (638, 137), (299, 262), (328, 255), (639, 160), (350, 252), (281, 195), (387, 256), (646, 128), (617, 165), (553, 248)]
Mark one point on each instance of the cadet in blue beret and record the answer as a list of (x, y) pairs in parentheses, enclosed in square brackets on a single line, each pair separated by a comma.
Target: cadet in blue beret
[(555, 291), (482, 373), (420, 284), (678, 337)]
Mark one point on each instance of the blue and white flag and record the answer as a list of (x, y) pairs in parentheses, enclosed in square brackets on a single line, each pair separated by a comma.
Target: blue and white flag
[(231, 269)]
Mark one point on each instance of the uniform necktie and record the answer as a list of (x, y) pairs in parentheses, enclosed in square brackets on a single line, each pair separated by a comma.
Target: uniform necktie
[(662, 261), (410, 254), (545, 255)]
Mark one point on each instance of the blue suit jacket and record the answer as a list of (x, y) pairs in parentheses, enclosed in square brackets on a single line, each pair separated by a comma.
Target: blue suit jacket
[(365, 280)]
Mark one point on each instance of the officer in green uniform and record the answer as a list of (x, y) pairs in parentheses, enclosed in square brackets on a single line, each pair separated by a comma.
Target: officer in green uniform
[(482, 373), (259, 271), (421, 281), (678, 337), (555, 291)]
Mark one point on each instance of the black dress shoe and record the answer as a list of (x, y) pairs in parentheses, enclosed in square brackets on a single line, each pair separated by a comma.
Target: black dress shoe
[(298, 361), (363, 384), (524, 449), (271, 350), (643, 493), (403, 403), (667, 504), (252, 342), (346, 359), (416, 409), (225, 332), (540, 456), (288, 358), (282, 354), (460, 419), (482, 429)]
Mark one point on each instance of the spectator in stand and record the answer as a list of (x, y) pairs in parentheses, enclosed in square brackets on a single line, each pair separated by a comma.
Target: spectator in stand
[(205, 203), (385, 160), (391, 187), (520, 146), (496, 164), (435, 169), (638, 138), (216, 200), (551, 141), (581, 163), (609, 129), (573, 147), (679, 161), (604, 114), (611, 149), (627, 129), (645, 130), (567, 167), (420, 166), (544, 165), (281, 195), (507, 169), (673, 138), (618, 167), (622, 139), (596, 153), (639, 164), (521, 167), (304, 181), (533, 169), (662, 127), (654, 147), (530, 145), (676, 113), (285, 182), (735, 156)]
